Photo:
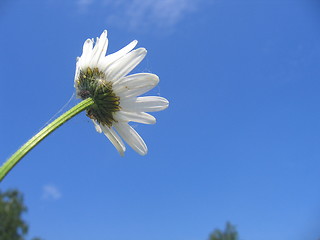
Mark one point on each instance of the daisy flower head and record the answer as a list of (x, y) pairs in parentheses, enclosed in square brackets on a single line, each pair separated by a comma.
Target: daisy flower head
[(105, 79)]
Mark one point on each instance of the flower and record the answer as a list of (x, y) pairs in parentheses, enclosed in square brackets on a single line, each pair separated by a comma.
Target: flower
[(115, 94)]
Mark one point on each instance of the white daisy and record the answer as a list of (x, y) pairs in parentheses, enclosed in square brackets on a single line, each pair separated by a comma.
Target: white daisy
[(104, 78)]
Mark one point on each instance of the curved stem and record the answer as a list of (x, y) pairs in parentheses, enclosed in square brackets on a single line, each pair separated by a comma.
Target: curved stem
[(36, 139)]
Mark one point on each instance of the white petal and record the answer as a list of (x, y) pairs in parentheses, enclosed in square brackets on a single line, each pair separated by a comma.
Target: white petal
[(139, 117), (86, 56), (76, 75), (100, 49), (144, 104), (135, 85), (115, 56), (97, 126), (131, 137), (124, 65), (87, 47), (114, 138)]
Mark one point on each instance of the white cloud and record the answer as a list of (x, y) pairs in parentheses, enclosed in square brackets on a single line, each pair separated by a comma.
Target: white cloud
[(137, 14), (159, 13), (51, 192), (84, 4)]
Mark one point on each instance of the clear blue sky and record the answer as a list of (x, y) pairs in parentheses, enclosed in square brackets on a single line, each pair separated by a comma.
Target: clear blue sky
[(239, 142)]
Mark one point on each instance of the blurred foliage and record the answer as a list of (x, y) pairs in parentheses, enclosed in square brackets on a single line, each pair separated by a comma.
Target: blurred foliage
[(12, 226), (229, 233)]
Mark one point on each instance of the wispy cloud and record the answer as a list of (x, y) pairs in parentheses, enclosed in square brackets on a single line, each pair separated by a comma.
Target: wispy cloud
[(137, 14), (51, 192), (84, 4)]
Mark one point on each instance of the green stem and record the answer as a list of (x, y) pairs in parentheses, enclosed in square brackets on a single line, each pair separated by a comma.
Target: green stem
[(18, 155)]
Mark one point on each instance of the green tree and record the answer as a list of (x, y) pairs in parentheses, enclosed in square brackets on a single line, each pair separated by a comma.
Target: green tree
[(12, 226), (229, 233)]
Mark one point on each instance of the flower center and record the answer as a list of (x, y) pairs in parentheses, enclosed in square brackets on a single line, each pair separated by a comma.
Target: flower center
[(92, 83)]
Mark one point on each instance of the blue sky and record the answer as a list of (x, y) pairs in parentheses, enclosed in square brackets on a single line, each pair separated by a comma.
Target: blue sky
[(239, 142)]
